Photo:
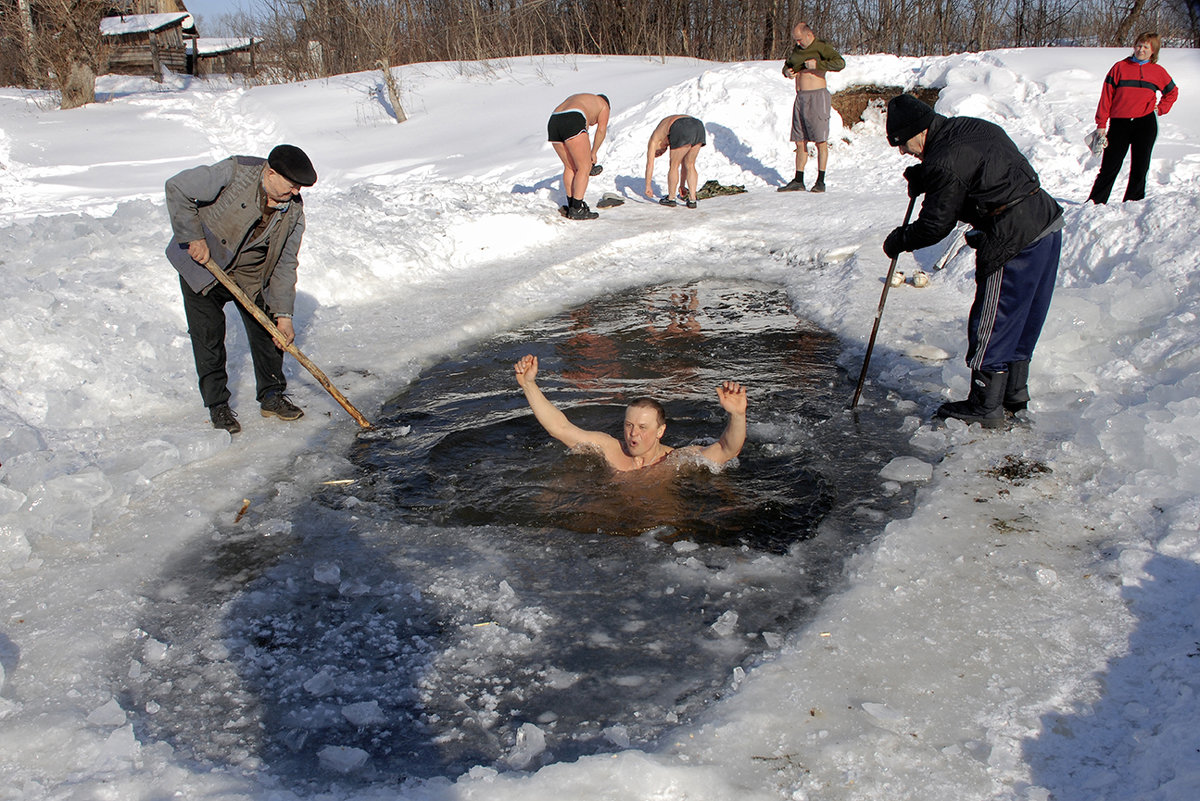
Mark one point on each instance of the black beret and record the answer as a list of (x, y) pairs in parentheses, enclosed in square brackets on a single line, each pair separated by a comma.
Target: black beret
[(907, 116), (292, 163)]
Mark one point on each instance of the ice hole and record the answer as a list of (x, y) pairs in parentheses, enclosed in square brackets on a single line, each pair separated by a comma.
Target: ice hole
[(489, 584)]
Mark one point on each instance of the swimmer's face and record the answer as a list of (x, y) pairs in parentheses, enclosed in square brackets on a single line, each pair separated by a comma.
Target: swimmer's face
[(642, 430)]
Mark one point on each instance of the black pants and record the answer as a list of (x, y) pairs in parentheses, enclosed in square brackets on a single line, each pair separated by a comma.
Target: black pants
[(206, 326), (1135, 136)]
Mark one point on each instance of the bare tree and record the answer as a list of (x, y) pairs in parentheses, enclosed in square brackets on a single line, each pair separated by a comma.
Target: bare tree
[(314, 38), (1190, 12), (1132, 16), (55, 44)]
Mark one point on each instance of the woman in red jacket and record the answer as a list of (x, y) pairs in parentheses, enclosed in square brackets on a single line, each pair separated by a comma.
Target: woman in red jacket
[(1128, 103)]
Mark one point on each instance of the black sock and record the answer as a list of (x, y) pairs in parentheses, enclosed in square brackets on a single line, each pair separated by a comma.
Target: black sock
[(572, 203), (799, 177), (820, 176)]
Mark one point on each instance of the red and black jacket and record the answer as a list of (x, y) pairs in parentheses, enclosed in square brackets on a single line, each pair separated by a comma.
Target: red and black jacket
[(1131, 91)]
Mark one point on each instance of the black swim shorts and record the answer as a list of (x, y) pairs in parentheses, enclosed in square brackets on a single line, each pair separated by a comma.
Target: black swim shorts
[(565, 125)]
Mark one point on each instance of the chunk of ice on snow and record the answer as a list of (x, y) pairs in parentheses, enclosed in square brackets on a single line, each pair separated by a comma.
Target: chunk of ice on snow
[(10, 500), (154, 651), (193, 446), (14, 549), (882, 712), (109, 714), (907, 468), (930, 353), (121, 746)]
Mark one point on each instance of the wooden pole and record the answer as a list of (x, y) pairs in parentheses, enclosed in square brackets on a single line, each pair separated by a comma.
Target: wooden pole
[(887, 283), (291, 348)]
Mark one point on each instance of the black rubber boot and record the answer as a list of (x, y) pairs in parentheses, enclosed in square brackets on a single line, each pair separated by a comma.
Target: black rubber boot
[(1016, 391), (984, 404)]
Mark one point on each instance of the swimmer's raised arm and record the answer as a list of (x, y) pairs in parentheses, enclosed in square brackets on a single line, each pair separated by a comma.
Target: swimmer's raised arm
[(554, 421), (732, 397)]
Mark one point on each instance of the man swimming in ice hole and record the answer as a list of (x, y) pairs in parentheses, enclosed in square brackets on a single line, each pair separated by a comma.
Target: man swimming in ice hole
[(645, 424)]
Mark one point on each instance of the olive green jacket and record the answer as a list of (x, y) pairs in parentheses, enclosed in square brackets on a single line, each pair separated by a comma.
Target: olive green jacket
[(827, 58)]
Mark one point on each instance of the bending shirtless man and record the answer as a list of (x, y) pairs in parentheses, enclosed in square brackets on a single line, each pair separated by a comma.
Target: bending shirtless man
[(567, 132), (684, 135), (645, 425)]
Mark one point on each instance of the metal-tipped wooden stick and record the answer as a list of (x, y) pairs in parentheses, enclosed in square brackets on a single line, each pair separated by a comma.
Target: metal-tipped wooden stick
[(290, 347), (887, 283)]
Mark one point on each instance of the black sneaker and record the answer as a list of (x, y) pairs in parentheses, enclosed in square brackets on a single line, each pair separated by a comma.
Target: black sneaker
[(224, 417), (667, 201), (278, 405), (582, 212), (792, 186), (819, 186), (691, 204)]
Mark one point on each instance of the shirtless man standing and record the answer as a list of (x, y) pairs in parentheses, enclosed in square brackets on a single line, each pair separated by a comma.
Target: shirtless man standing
[(808, 62), (645, 424), (684, 135), (567, 132)]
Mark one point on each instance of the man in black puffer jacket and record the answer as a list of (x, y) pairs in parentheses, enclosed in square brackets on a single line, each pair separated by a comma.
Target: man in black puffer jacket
[(971, 171)]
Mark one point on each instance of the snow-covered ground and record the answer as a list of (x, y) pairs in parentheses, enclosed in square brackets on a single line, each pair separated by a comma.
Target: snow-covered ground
[(1029, 632)]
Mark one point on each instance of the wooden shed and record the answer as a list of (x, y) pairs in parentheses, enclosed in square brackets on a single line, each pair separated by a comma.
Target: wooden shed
[(143, 44), (216, 55)]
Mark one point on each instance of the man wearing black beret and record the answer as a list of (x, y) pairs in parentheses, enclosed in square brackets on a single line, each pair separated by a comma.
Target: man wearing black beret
[(971, 171), (246, 214)]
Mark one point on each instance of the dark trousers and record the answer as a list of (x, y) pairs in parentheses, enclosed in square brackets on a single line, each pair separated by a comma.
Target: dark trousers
[(1133, 136), (206, 326), (1011, 305)]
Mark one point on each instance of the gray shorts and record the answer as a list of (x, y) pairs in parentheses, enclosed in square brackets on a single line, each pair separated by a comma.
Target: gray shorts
[(685, 132), (810, 116)]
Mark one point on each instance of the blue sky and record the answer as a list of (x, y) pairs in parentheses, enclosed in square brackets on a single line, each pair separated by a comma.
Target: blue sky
[(209, 11)]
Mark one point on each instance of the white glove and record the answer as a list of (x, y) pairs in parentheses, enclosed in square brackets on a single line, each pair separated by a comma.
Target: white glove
[(1096, 141)]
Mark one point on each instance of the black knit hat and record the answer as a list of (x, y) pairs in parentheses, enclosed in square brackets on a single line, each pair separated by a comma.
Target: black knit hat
[(291, 162), (906, 117)]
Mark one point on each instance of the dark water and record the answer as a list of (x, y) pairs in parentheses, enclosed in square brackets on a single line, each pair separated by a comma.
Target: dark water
[(476, 590), (475, 455)]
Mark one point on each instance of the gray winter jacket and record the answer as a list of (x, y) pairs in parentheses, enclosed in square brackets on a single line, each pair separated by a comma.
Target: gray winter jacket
[(218, 203)]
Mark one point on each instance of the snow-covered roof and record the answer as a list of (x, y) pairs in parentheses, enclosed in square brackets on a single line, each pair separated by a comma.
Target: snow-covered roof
[(216, 45), (143, 23)]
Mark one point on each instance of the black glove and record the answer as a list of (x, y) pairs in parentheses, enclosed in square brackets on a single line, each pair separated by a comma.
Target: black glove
[(893, 246), (915, 175), (596, 169), (974, 238)]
